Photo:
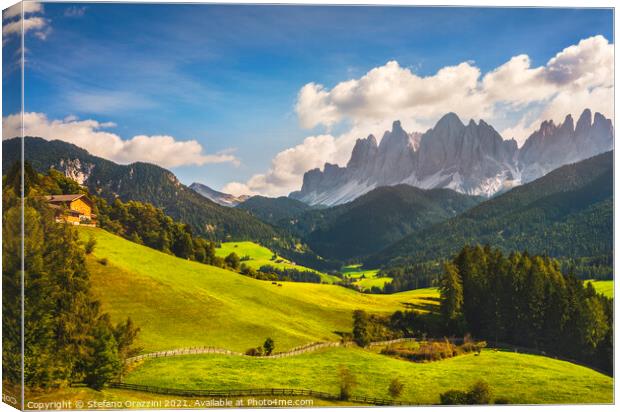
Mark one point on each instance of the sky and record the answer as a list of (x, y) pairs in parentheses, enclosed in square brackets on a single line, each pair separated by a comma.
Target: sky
[(245, 99)]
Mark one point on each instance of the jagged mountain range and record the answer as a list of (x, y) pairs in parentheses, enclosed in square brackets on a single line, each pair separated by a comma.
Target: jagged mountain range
[(223, 199), (472, 159)]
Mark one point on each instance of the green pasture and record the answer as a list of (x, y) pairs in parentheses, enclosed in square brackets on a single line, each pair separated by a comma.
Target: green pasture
[(179, 303), (517, 378), (605, 287), (259, 255)]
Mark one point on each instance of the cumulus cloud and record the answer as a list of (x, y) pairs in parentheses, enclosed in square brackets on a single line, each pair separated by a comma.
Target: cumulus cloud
[(29, 7), (391, 90), (397, 92), (288, 167), (12, 24), (578, 77), (91, 135)]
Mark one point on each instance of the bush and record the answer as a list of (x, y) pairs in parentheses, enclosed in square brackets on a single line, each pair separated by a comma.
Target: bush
[(103, 261), (454, 397), (347, 382), (396, 388), (254, 351), (478, 394), (232, 260), (89, 247)]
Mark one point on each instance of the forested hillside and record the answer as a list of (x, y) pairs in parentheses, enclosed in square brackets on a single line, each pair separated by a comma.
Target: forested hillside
[(376, 219), (143, 182), (567, 214)]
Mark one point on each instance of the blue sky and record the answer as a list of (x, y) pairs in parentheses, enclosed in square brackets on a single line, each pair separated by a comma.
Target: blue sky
[(229, 76)]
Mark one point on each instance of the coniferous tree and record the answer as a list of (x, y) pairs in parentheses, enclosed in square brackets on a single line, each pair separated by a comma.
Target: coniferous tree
[(451, 291)]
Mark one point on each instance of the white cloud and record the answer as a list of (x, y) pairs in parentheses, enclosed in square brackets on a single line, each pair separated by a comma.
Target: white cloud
[(162, 150), (391, 91), (288, 167), (12, 24), (514, 93), (16, 10)]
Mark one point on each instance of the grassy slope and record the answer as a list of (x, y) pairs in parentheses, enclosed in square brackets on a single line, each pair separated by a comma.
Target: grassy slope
[(179, 303), (519, 378), (370, 276), (261, 255), (605, 287)]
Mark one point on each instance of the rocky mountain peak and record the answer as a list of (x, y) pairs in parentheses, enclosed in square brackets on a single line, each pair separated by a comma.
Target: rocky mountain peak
[(472, 159), (567, 125), (364, 152), (584, 122)]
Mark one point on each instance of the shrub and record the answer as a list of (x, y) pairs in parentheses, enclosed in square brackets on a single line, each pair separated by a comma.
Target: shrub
[(232, 260), (254, 351), (103, 261), (480, 393), (454, 397), (396, 388), (89, 247), (347, 382)]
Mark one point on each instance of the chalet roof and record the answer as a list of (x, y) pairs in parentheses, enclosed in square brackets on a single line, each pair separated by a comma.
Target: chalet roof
[(62, 198)]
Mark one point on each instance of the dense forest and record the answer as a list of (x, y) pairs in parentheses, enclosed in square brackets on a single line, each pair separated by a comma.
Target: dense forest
[(525, 300), (573, 202), (375, 219), (67, 336)]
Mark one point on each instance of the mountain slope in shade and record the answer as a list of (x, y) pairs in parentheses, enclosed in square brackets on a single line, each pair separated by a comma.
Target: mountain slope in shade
[(376, 219), (472, 159), (274, 210), (220, 198), (566, 213), (142, 182)]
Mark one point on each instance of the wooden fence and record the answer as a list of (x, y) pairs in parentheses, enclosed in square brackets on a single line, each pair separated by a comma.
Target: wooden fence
[(221, 351), (252, 392)]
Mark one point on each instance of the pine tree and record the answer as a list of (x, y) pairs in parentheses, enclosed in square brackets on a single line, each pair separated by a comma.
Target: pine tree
[(451, 290)]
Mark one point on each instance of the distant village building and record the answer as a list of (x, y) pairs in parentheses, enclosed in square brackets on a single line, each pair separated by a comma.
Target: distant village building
[(74, 209)]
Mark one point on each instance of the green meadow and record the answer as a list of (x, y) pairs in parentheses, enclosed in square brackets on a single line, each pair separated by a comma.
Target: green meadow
[(259, 256), (179, 303), (517, 378), (365, 279), (605, 287)]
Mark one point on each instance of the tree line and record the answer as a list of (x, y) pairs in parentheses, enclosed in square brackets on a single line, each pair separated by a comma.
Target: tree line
[(526, 300), (67, 337)]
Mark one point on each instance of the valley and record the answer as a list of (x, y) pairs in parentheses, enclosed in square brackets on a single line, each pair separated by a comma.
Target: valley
[(392, 259), (180, 304)]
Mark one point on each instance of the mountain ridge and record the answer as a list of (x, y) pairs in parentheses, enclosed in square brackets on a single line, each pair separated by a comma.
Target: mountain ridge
[(472, 159), (222, 199), (143, 182), (574, 201)]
